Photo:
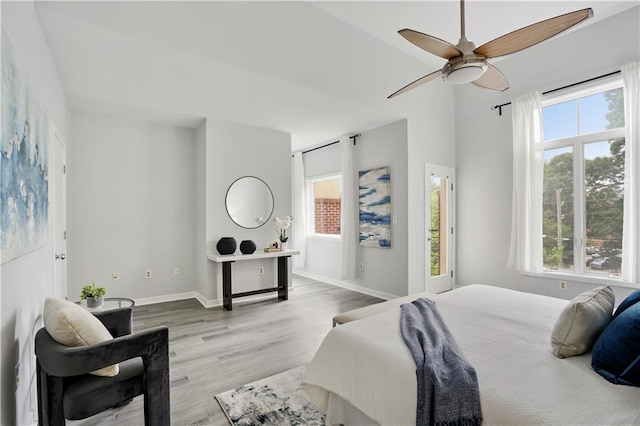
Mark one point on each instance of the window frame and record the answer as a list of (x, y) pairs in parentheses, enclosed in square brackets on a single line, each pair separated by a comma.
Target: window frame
[(311, 211), (577, 143)]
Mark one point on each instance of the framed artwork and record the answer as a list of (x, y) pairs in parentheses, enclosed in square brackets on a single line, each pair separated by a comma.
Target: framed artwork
[(24, 183), (375, 207)]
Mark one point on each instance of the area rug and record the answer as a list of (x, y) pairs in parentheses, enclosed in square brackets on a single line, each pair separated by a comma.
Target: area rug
[(276, 400)]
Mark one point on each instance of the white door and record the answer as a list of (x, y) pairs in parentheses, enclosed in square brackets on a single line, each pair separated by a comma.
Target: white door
[(439, 250), (59, 217)]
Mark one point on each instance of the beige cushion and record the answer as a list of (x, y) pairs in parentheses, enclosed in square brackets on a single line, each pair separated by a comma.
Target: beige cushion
[(72, 325), (581, 322), (377, 308)]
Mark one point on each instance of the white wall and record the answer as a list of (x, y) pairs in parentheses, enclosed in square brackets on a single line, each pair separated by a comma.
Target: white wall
[(200, 238), (431, 139), (232, 151), (27, 281), (130, 206), (385, 270), (484, 145)]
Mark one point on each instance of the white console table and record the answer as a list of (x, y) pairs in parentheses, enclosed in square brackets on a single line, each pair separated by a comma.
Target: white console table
[(228, 259)]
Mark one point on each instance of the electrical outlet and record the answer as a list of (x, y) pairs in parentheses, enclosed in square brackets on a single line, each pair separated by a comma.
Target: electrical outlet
[(16, 374), (115, 276), (261, 271), (362, 266), (176, 270), (563, 285), (147, 273)]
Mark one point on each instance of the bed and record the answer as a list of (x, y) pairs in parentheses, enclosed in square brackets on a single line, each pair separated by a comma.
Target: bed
[(363, 372)]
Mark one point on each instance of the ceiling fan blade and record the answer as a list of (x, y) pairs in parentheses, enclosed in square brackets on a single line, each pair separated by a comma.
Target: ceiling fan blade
[(431, 44), (532, 34), (419, 82), (492, 79)]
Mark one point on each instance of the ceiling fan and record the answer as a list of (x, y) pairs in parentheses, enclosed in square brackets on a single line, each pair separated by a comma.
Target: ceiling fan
[(468, 64)]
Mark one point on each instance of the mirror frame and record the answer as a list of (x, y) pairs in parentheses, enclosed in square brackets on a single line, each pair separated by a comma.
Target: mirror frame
[(226, 201)]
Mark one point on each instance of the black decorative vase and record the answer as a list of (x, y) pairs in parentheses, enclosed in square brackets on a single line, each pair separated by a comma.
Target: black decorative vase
[(226, 245), (247, 247)]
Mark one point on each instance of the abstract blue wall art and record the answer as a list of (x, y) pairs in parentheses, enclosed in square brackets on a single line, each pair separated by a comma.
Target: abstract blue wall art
[(24, 183), (375, 208)]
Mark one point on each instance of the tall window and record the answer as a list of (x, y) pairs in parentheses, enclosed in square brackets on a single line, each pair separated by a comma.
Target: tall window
[(325, 198), (583, 181)]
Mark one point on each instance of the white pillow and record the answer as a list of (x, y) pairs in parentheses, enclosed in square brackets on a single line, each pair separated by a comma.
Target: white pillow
[(581, 322), (72, 325)]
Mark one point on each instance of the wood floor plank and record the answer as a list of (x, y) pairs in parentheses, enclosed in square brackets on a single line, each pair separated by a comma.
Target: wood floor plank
[(213, 350)]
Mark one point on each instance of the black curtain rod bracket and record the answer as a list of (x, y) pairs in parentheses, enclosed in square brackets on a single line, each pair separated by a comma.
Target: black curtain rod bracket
[(499, 107)]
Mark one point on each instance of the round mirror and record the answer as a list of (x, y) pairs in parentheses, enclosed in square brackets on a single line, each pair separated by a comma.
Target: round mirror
[(249, 202)]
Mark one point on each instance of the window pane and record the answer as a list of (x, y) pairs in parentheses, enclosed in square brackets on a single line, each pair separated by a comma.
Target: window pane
[(439, 226), (557, 209), (560, 120), (326, 200), (604, 197), (601, 111)]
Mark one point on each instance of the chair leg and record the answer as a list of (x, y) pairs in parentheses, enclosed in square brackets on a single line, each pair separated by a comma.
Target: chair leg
[(51, 405), (157, 403), (41, 379)]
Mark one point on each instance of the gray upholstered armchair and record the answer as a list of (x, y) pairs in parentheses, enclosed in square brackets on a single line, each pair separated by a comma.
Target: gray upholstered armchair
[(65, 390)]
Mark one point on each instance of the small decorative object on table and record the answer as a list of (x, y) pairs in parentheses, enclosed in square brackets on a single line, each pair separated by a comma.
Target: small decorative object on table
[(93, 294), (281, 228), (274, 246), (226, 245), (247, 247)]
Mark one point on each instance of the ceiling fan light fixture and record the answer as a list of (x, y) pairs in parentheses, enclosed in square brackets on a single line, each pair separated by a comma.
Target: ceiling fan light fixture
[(465, 73)]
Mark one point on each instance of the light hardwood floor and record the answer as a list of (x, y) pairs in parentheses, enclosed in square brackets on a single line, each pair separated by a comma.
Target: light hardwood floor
[(212, 350)]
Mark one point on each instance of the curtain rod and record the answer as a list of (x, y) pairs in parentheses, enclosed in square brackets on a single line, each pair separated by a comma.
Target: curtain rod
[(353, 138), (499, 107)]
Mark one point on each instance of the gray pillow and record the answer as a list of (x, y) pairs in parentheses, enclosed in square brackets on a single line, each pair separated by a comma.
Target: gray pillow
[(581, 322)]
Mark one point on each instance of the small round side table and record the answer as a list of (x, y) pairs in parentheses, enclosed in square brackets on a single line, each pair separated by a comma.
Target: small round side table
[(110, 303)]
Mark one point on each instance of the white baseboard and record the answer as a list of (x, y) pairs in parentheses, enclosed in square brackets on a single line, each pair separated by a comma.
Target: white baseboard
[(346, 285)]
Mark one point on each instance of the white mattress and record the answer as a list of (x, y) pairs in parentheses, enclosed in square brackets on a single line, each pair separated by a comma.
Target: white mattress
[(503, 333)]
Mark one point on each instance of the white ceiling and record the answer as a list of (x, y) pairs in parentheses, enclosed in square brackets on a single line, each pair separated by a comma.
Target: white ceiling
[(316, 70)]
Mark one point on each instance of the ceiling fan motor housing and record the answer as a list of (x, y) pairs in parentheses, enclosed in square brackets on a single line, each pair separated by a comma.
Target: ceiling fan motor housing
[(464, 69)]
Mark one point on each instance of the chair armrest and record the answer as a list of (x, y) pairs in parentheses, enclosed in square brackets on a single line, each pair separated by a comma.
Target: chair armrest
[(119, 321), (63, 361)]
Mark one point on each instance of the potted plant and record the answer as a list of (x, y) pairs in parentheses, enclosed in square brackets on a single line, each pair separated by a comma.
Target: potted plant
[(281, 228), (93, 294)]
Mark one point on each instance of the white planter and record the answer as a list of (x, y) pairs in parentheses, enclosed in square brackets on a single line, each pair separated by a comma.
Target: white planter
[(94, 303)]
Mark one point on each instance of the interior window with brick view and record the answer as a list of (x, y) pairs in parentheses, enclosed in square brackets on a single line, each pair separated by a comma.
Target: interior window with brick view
[(326, 200)]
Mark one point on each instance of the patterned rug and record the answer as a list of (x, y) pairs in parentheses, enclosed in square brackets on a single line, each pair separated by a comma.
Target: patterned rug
[(276, 400)]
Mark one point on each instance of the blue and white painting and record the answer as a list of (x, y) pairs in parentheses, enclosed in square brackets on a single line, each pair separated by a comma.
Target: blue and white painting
[(375, 208), (24, 183)]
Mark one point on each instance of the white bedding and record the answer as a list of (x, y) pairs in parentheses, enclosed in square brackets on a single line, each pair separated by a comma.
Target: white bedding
[(503, 333)]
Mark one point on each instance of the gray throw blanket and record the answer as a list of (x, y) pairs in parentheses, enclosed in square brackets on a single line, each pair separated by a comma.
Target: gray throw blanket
[(448, 391)]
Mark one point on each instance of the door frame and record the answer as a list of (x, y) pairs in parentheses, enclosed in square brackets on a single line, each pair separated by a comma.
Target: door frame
[(58, 208), (430, 169)]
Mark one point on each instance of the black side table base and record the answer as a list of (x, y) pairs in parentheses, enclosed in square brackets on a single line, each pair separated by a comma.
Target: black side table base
[(282, 288)]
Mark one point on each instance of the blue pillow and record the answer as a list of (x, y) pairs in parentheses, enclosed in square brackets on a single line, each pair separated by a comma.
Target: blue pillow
[(631, 300), (616, 354)]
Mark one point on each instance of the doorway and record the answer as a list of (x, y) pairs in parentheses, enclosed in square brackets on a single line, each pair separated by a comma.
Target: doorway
[(440, 214), (59, 216)]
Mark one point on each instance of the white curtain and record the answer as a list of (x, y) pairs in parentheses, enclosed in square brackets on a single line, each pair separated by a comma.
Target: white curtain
[(525, 253), (349, 211), (299, 210), (630, 232)]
